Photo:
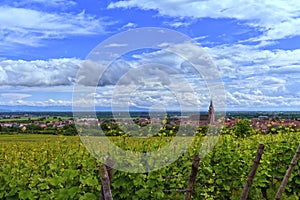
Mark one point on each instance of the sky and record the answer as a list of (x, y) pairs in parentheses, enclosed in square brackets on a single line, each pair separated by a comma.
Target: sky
[(255, 45)]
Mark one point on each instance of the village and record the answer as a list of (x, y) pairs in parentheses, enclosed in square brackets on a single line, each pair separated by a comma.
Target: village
[(22, 122)]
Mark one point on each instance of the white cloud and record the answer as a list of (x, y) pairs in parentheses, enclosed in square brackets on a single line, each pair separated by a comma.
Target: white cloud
[(276, 19), (177, 24), (22, 102), (240, 61), (287, 69), (116, 45), (54, 72), (101, 73), (284, 29), (256, 78), (245, 101), (56, 102), (129, 25), (253, 78), (152, 74), (24, 26)]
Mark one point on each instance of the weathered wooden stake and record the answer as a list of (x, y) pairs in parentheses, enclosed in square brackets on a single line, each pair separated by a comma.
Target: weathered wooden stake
[(194, 171), (106, 179), (109, 167), (252, 172), (288, 174)]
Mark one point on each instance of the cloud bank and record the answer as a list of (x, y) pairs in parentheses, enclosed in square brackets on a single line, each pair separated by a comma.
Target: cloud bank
[(38, 73)]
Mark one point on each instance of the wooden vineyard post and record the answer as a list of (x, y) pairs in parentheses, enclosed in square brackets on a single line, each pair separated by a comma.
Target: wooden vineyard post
[(288, 174), (192, 180), (106, 179), (109, 167), (252, 172)]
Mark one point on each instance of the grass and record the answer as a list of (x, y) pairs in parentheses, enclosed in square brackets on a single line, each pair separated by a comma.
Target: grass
[(33, 138), (19, 119)]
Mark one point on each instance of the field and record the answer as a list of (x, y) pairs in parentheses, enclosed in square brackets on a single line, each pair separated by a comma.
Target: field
[(60, 167), (30, 119)]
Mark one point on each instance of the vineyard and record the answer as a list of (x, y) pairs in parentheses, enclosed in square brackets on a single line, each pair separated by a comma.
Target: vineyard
[(60, 167)]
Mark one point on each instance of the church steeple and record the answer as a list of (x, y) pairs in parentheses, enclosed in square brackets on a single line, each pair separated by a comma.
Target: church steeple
[(211, 112)]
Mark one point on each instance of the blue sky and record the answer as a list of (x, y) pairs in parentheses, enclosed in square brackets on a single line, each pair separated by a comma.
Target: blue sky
[(254, 44)]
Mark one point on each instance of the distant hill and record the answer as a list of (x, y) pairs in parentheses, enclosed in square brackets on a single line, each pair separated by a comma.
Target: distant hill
[(5, 108)]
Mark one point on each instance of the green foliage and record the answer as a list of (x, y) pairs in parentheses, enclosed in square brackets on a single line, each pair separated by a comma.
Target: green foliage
[(57, 167), (242, 128)]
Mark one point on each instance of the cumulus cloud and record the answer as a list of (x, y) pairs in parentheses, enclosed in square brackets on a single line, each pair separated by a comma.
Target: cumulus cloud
[(101, 73), (142, 79), (253, 78), (241, 61), (256, 78), (245, 101), (53, 72), (22, 102)]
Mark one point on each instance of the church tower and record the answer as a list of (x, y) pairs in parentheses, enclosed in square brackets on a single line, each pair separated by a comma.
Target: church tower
[(211, 113)]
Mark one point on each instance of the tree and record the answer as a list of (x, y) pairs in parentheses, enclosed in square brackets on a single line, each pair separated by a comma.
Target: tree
[(242, 128)]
